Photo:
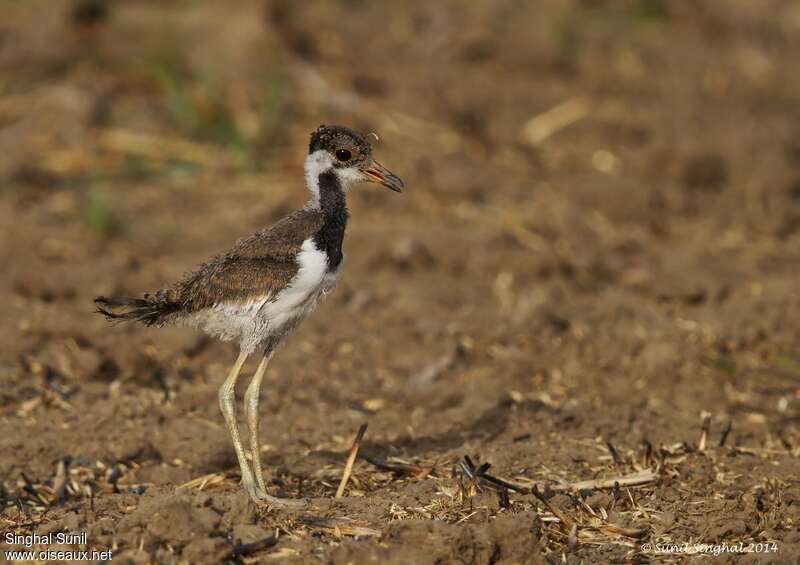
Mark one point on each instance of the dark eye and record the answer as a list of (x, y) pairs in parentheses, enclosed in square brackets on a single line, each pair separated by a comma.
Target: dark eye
[(343, 155)]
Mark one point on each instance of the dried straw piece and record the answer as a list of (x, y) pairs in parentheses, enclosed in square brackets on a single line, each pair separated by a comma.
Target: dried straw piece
[(351, 459)]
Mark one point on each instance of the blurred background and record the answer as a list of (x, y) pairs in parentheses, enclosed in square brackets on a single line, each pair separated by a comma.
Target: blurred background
[(599, 240)]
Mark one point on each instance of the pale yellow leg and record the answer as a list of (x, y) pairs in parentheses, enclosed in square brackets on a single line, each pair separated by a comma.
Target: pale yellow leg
[(226, 405), (251, 398)]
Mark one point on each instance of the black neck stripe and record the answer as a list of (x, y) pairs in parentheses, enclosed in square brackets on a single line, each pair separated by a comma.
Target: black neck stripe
[(334, 209)]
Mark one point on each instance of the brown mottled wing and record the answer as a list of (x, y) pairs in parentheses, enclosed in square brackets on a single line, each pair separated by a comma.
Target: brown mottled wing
[(260, 265)]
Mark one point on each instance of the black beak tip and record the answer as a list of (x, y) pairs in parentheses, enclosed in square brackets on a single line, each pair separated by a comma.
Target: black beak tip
[(379, 174)]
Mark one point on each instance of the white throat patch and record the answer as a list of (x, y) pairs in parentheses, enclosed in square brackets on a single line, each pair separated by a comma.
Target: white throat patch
[(317, 163)]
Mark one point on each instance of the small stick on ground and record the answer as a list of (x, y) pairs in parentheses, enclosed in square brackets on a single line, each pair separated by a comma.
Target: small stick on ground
[(472, 473), (724, 437), (402, 469), (340, 526), (503, 484), (572, 540), (623, 531), (542, 126), (706, 416), (239, 549), (634, 479), (614, 453), (503, 500), (348, 468), (60, 481), (648, 452), (553, 510), (30, 488), (202, 482)]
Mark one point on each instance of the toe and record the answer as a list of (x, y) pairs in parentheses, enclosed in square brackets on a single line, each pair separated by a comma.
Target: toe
[(284, 502)]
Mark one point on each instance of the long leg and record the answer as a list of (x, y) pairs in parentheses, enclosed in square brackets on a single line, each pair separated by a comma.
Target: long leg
[(251, 397), (226, 405)]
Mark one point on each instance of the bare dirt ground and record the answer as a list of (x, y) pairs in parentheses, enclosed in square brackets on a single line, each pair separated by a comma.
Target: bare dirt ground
[(599, 243)]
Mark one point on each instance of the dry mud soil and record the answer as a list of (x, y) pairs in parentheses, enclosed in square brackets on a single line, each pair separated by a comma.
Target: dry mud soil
[(597, 252)]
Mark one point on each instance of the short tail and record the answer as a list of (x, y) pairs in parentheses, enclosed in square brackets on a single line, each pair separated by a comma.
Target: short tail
[(149, 310)]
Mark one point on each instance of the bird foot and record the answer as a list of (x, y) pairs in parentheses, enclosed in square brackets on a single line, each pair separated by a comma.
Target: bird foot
[(282, 502), (260, 496)]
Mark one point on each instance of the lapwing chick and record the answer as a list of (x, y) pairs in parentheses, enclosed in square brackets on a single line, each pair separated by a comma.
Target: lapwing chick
[(258, 292)]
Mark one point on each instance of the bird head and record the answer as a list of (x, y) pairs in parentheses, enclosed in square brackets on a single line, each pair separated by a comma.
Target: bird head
[(348, 155)]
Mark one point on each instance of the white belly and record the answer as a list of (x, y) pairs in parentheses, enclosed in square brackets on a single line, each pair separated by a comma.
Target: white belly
[(301, 295), (251, 323)]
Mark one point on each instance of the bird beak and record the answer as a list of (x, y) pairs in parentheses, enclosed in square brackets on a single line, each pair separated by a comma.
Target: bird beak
[(377, 173)]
